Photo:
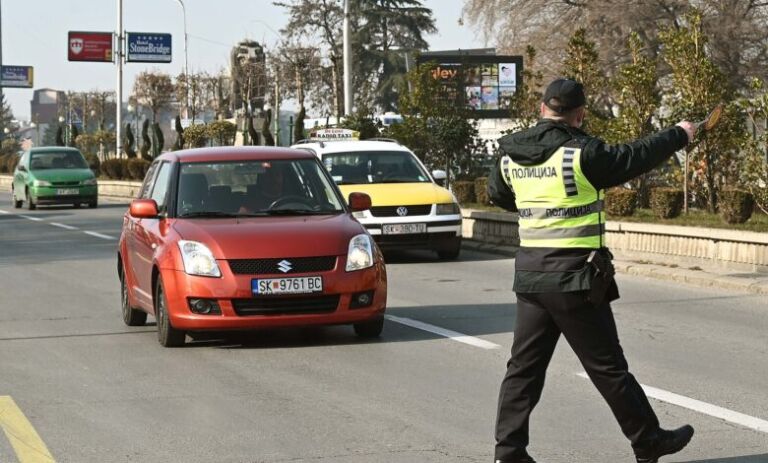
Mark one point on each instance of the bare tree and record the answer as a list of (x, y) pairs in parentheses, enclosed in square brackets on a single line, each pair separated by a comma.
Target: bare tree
[(153, 90)]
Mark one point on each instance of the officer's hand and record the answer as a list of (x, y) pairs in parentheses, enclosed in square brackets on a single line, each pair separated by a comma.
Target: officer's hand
[(690, 129)]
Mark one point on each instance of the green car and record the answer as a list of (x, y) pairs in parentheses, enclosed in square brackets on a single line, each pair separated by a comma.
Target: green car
[(54, 175)]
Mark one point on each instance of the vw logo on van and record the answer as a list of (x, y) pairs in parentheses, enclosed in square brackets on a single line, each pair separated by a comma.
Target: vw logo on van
[(402, 211)]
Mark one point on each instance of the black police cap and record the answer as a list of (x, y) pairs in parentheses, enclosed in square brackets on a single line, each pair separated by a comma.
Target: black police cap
[(563, 95)]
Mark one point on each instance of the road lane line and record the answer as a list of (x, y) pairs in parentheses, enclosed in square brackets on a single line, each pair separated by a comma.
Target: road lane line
[(29, 217), (27, 444), (65, 227), (99, 235), (452, 335), (4, 212), (731, 416)]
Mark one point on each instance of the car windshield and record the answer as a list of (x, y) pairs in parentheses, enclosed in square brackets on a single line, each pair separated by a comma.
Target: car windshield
[(360, 167), (256, 188), (57, 160)]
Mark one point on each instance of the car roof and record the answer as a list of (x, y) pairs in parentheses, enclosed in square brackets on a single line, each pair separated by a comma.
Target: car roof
[(236, 153), (326, 147), (53, 149)]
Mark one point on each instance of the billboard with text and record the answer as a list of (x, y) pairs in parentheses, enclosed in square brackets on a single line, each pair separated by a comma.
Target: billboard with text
[(17, 76), (146, 47), (90, 46)]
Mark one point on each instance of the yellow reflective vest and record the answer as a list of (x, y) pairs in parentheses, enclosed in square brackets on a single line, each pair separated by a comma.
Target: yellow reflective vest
[(558, 206)]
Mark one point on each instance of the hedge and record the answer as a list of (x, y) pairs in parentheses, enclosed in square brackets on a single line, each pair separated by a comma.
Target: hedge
[(736, 206), (667, 203), (481, 191), (464, 191), (136, 168), (620, 202)]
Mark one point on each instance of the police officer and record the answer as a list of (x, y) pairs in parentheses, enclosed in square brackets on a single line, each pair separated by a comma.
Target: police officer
[(555, 175)]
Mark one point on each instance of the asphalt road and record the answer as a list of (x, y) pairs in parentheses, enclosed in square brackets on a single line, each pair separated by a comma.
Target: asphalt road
[(95, 390)]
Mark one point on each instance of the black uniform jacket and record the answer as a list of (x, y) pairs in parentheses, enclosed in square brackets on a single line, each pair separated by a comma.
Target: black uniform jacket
[(560, 270)]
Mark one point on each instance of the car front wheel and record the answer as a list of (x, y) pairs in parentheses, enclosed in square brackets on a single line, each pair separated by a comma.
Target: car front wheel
[(450, 250), (131, 316), (167, 335), (370, 328)]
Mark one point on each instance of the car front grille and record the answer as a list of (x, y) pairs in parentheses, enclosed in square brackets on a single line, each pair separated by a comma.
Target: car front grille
[(282, 266), (72, 183), (286, 305), (392, 211)]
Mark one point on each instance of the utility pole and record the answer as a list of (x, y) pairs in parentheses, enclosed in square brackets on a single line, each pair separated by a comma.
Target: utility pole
[(2, 100), (347, 63), (186, 60), (277, 106), (119, 87)]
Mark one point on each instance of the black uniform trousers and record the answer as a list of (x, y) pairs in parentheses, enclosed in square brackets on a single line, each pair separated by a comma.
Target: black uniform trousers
[(591, 332)]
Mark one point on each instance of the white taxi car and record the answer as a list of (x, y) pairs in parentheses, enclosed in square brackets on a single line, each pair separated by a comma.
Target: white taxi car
[(409, 210)]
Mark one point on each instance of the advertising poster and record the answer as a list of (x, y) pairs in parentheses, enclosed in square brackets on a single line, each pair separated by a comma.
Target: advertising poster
[(90, 46)]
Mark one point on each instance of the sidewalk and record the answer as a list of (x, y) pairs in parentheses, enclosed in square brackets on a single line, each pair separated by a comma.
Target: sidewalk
[(711, 276)]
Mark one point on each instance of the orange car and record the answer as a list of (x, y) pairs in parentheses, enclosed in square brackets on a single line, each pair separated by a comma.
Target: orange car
[(241, 238)]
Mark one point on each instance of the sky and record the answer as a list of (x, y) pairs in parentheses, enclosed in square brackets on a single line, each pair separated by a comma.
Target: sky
[(34, 33)]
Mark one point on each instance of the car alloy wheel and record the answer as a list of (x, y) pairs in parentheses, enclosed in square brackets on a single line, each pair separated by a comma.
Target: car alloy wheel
[(167, 335), (131, 316)]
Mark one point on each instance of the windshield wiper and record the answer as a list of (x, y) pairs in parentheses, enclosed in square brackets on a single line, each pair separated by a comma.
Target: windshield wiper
[(208, 214)]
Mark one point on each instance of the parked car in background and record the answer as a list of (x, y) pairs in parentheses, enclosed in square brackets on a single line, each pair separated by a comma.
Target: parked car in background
[(54, 175), (243, 238)]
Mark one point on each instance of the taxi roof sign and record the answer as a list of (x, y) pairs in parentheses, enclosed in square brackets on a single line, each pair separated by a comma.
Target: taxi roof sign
[(334, 134)]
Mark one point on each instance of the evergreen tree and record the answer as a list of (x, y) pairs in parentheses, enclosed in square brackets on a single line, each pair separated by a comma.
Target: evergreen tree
[(6, 118)]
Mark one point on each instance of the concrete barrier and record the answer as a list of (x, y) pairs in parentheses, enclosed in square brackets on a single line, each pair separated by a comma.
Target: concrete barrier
[(740, 250)]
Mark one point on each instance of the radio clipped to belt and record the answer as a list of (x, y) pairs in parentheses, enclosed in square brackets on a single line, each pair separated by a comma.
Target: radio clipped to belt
[(601, 263)]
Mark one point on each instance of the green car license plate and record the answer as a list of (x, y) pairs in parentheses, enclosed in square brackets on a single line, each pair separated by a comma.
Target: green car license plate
[(67, 191)]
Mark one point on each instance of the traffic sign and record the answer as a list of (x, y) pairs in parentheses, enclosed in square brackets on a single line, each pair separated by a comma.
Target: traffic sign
[(90, 46), (148, 47), (16, 76), (334, 134)]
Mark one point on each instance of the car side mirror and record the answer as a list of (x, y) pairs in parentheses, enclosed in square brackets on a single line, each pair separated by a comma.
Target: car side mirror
[(359, 202), (143, 209), (440, 176)]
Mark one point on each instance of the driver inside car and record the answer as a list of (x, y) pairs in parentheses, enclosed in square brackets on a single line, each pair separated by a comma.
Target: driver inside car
[(268, 189)]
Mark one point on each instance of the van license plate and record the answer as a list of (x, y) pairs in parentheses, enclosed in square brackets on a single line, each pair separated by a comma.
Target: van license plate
[(404, 228)]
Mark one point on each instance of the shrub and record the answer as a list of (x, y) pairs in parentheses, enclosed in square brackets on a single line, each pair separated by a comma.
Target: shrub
[(464, 191), (114, 168), (93, 163), (666, 202), (736, 206), (620, 202), (136, 168), (9, 162), (3, 164), (481, 191)]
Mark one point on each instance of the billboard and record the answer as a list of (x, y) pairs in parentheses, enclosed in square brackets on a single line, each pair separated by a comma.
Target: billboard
[(16, 76), (485, 84), (90, 46), (147, 47)]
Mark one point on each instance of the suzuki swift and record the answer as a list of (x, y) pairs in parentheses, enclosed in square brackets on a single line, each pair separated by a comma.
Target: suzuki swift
[(243, 238)]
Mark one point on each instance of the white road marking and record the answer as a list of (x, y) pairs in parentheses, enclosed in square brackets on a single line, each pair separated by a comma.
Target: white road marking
[(452, 335), (65, 227), (731, 416), (4, 212), (29, 217), (99, 235)]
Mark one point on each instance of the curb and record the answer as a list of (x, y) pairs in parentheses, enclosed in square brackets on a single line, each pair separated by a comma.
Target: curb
[(656, 271)]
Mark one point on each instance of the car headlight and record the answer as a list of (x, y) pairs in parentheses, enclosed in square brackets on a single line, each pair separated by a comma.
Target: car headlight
[(90, 181), (41, 183), (360, 254), (448, 209), (198, 259)]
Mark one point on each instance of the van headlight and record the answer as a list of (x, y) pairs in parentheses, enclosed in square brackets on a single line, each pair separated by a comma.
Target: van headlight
[(360, 254), (448, 209), (41, 183), (198, 259)]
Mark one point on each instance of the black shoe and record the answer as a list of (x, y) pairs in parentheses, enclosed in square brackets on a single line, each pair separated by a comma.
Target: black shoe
[(669, 442), (521, 458)]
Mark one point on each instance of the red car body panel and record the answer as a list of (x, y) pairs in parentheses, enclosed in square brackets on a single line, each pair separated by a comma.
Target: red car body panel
[(150, 245)]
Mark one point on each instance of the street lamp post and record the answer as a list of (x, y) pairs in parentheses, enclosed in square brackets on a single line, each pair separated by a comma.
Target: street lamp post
[(347, 63), (186, 59)]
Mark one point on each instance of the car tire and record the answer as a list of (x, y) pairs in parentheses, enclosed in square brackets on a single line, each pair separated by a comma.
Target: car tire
[(94, 204), (370, 329), (76, 205), (31, 205), (167, 335), (17, 203), (451, 250), (131, 316)]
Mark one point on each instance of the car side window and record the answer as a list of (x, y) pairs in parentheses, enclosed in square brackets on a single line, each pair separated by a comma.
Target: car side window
[(160, 188), (146, 188)]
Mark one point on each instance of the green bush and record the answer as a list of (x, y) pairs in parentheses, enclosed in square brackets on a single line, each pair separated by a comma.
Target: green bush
[(736, 206), (115, 169), (481, 191), (136, 168), (93, 163), (620, 202), (667, 203), (464, 191)]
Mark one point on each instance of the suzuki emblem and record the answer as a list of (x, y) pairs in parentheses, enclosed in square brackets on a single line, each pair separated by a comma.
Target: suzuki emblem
[(402, 211), (284, 266)]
